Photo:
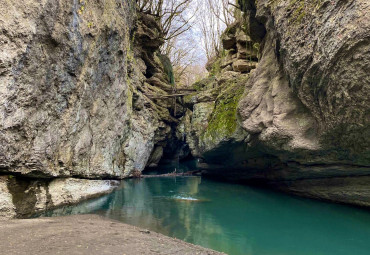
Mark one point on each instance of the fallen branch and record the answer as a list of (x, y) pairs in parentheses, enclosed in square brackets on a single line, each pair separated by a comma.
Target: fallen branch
[(174, 174)]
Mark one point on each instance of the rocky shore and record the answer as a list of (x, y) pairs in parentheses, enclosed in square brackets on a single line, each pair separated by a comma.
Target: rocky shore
[(87, 234), (20, 198)]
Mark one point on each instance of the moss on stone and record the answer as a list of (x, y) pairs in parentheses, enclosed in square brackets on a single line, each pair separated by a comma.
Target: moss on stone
[(167, 67), (223, 121), (204, 84), (216, 67)]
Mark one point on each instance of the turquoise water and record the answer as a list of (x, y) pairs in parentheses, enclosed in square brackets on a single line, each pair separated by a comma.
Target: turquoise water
[(233, 218)]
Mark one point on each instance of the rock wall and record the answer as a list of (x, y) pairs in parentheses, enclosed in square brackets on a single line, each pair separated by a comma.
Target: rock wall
[(84, 94), (303, 114), (307, 101), (72, 96), (211, 124), (21, 197), (7, 208)]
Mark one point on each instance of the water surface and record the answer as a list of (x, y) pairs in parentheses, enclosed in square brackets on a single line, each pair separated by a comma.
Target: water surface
[(233, 218)]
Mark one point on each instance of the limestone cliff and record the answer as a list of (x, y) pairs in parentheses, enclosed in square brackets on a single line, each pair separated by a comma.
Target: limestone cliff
[(72, 83), (84, 93), (79, 82), (303, 69), (308, 98)]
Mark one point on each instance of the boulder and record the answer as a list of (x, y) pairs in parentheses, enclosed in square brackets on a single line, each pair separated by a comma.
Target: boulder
[(242, 38), (228, 42), (243, 66), (20, 197), (247, 51), (228, 38)]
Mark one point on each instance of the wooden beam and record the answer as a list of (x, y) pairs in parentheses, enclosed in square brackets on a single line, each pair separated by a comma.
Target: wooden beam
[(167, 96), (180, 90)]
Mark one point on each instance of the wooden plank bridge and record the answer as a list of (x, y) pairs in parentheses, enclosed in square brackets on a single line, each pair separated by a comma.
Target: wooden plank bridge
[(153, 96), (174, 93)]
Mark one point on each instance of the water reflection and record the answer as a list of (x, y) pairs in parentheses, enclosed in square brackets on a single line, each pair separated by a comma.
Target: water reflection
[(233, 218)]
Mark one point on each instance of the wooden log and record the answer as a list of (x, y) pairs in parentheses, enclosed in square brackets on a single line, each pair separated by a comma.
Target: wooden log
[(174, 174), (180, 90), (167, 96)]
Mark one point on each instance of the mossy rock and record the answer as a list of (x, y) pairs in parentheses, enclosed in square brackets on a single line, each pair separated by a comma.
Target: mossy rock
[(205, 84), (223, 122), (167, 67), (231, 30)]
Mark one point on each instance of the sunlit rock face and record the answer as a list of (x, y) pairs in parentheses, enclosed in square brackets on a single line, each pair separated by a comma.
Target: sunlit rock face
[(69, 99), (307, 101), (7, 208)]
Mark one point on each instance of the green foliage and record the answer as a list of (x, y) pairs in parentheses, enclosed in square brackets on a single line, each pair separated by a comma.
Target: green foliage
[(216, 67), (168, 69), (257, 47)]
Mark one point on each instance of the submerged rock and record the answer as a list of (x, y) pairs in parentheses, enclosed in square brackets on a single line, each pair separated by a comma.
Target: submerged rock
[(350, 190)]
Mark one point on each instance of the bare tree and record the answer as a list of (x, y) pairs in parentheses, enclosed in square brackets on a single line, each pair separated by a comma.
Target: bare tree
[(210, 28), (192, 74), (171, 14), (184, 53), (214, 16), (223, 10), (190, 26)]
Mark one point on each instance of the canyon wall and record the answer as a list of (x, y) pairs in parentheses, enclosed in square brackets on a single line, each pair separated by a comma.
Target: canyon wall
[(84, 94), (308, 102), (75, 85), (302, 120), (73, 76)]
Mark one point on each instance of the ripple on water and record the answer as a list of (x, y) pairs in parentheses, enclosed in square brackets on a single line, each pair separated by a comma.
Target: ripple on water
[(235, 219)]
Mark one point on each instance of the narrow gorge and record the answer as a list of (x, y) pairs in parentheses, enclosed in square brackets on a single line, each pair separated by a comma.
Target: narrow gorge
[(289, 108), (87, 99)]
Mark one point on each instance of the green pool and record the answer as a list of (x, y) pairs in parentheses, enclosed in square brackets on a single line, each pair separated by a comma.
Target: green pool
[(233, 218)]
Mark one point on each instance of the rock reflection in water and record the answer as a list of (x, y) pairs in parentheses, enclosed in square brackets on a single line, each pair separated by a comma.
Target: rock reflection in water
[(233, 218)]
